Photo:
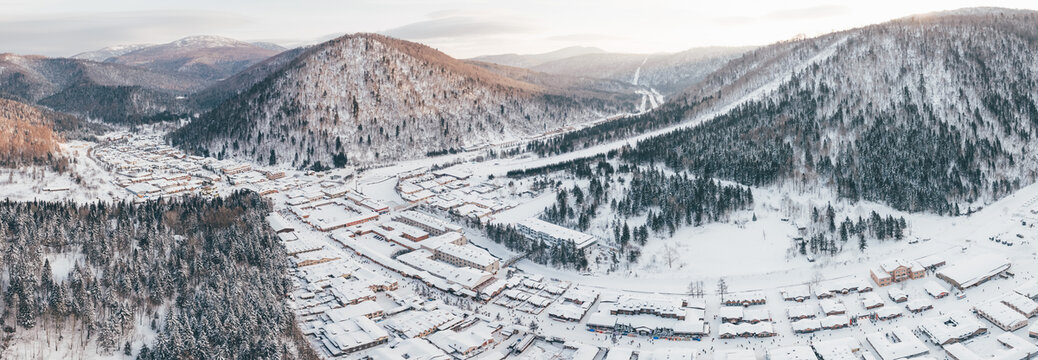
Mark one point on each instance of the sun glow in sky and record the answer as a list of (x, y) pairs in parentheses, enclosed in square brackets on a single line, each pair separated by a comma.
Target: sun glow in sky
[(460, 28)]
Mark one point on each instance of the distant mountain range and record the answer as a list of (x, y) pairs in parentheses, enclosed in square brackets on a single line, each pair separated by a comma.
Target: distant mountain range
[(667, 73), (205, 57), (532, 60), (130, 83)]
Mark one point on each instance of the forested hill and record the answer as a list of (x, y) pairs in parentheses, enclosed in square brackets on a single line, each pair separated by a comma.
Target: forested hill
[(208, 276), (365, 98), (30, 135), (931, 112)]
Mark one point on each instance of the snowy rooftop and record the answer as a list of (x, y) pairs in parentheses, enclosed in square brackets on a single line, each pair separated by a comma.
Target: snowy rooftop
[(415, 323), (468, 252), (973, 270), (578, 238), (352, 332), (952, 327), (1001, 314), (896, 344), (410, 349)]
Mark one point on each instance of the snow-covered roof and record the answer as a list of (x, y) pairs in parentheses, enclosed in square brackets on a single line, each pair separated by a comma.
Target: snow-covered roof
[(350, 333), (797, 311), (896, 294), (806, 325), (952, 327), (837, 349), (1001, 315), (1017, 348), (871, 300), (832, 306), (1021, 303), (918, 305), (468, 252), (361, 309), (410, 349), (896, 344), (974, 270), (279, 223), (796, 291), (934, 289), (415, 323), (1028, 289), (835, 321), (578, 238)]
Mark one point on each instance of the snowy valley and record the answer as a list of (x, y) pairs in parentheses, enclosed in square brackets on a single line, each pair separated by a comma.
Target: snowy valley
[(864, 194)]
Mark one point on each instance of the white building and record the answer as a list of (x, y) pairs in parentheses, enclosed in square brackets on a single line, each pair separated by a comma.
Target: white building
[(974, 270), (898, 343), (351, 335), (1001, 315), (539, 230), (952, 328)]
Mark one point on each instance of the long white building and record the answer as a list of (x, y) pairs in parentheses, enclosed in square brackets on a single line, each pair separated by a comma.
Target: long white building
[(537, 229)]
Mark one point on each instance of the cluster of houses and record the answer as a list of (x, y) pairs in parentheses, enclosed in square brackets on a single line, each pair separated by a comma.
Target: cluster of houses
[(650, 315), (575, 304), (346, 307), (147, 168), (455, 191), (531, 293)]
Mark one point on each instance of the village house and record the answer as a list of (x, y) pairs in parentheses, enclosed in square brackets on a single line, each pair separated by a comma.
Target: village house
[(898, 343), (350, 335), (952, 328), (745, 299), (1022, 304), (1001, 315), (896, 270), (974, 270)]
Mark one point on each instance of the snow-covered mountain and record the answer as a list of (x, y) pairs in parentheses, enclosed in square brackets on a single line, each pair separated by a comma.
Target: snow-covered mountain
[(207, 57), (369, 98), (109, 52), (933, 112)]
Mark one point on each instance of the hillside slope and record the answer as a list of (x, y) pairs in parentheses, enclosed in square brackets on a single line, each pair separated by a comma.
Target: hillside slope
[(224, 89), (928, 113), (367, 98), (26, 135)]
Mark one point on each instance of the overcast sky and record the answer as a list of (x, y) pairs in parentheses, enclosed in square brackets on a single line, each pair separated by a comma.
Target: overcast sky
[(460, 28)]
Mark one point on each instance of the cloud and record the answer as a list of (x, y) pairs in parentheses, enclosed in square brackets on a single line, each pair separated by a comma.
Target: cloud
[(456, 27), (64, 35), (584, 37), (813, 12), (798, 14)]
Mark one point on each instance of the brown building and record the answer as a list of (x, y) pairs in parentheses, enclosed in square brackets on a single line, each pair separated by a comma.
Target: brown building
[(896, 270)]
